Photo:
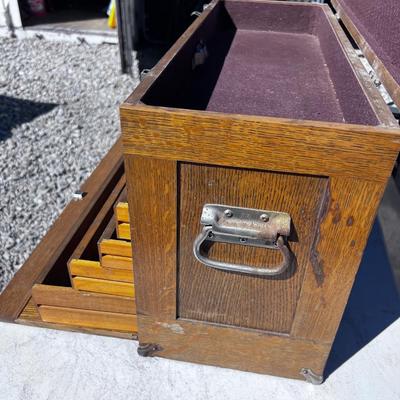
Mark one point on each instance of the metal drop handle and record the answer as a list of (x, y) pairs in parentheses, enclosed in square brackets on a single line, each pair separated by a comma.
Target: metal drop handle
[(247, 227)]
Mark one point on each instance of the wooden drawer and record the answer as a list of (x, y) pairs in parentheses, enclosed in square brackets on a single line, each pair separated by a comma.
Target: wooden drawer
[(264, 106), (81, 275)]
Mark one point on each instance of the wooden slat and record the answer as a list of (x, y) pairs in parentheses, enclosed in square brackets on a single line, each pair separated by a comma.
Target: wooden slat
[(124, 231), (30, 316), (58, 244), (117, 262), (103, 286), (100, 223), (59, 296), (116, 247), (365, 152), (89, 318), (93, 269), (122, 212)]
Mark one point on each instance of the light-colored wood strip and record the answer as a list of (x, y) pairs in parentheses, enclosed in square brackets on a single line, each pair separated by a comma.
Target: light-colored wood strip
[(115, 247), (89, 318), (124, 231), (59, 296), (93, 269), (122, 212), (117, 262), (103, 286)]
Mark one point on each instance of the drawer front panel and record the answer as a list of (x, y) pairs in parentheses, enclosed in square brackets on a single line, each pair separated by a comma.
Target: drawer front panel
[(249, 301)]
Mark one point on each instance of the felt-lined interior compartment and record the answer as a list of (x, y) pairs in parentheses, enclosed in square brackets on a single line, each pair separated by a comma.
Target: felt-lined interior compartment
[(268, 59), (378, 22)]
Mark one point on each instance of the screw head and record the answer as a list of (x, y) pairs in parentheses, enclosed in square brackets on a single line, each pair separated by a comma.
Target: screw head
[(228, 213), (264, 217)]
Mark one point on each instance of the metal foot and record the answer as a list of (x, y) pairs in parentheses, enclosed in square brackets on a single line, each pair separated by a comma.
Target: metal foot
[(148, 349), (310, 377)]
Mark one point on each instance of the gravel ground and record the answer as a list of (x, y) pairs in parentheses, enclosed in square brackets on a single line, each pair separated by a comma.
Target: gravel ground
[(58, 117)]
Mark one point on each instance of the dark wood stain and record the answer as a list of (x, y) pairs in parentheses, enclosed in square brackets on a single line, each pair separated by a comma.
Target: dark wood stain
[(316, 261)]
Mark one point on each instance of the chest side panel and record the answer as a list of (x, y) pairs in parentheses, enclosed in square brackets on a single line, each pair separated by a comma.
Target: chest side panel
[(267, 303)]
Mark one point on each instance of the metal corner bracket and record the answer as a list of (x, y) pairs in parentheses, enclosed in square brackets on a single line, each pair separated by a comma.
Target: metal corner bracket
[(311, 377), (148, 349)]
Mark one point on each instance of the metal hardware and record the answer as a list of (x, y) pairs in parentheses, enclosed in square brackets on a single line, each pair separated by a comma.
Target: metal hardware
[(144, 72), (78, 195), (310, 377), (148, 349), (246, 227), (200, 54)]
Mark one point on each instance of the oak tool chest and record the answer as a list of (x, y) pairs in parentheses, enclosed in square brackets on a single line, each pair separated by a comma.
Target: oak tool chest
[(256, 155)]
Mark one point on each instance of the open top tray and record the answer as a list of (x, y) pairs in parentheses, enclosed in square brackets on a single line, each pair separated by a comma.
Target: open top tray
[(267, 59)]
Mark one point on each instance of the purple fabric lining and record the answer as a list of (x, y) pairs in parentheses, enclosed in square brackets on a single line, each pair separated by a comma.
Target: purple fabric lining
[(379, 23), (266, 59)]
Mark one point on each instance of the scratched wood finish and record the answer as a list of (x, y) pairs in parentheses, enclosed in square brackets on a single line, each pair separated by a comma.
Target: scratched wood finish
[(89, 318), (152, 199), (343, 235), (58, 296), (233, 347), (244, 141), (267, 303)]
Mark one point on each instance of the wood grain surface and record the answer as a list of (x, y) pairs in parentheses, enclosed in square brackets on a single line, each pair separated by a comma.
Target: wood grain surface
[(103, 286), (342, 239), (89, 318), (273, 144), (67, 297), (237, 348), (266, 303), (30, 316), (124, 231), (152, 198), (117, 262), (115, 247), (93, 269), (121, 212)]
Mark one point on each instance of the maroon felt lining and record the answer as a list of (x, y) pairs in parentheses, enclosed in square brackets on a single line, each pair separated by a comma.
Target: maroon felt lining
[(378, 21), (269, 59)]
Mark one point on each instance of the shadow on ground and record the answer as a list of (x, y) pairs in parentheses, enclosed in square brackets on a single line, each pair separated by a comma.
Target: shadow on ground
[(374, 304), (14, 112)]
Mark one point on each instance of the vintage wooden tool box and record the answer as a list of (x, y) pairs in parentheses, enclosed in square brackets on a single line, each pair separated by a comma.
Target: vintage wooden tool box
[(256, 154)]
